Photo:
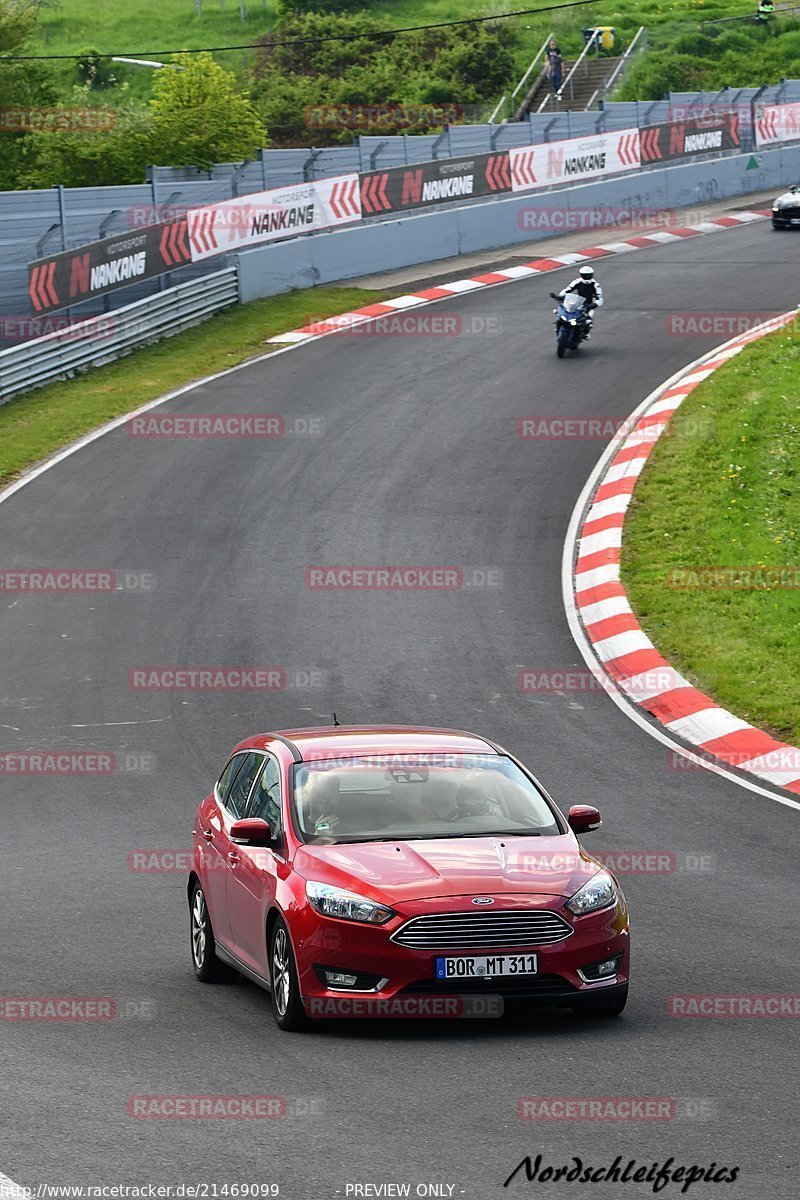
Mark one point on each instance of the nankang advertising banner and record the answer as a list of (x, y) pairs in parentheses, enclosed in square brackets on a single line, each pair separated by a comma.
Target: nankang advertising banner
[(268, 216), (105, 266), (685, 139), (437, 182), (777, 123), (574, 159)]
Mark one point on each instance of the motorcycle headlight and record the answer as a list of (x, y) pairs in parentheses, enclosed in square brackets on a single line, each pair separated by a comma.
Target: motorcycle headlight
[(599, 892), (335, 902), (573, 321)]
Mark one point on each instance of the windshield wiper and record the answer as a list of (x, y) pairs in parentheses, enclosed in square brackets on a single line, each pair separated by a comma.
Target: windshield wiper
[(438, 837)]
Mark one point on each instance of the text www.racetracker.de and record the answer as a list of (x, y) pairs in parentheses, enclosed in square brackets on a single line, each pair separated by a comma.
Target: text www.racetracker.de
[(144, 1191)]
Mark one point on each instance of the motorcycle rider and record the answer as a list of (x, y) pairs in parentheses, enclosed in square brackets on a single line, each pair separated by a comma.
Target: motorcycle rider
[(586, 286)]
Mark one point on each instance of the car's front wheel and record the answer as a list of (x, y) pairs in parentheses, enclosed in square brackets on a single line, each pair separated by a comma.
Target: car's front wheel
[(287, 1006), (207, 967)]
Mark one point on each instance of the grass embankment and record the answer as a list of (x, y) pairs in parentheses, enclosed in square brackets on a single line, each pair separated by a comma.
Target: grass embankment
[(721, 489), (38, 423), (67, 26)]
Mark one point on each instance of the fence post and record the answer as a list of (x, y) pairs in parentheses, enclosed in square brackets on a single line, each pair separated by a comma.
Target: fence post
[(62, 215), (308, 165)]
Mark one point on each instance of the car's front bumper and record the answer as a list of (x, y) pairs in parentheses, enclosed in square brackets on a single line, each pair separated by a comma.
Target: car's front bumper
[(786, 218), (387, 970)]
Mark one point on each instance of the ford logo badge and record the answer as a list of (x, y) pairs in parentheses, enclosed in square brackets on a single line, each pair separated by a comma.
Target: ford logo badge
[(483, 900)]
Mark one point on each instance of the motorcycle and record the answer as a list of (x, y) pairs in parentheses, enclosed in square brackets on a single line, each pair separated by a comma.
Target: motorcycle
[(572, 322)]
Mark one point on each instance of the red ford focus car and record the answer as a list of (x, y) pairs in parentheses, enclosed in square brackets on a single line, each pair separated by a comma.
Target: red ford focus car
[(356, 864)]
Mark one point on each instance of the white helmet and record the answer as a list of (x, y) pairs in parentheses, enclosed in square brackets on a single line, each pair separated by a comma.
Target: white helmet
[(586, 272)]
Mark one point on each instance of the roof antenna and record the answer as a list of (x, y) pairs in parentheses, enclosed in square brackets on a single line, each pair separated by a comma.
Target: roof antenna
[(335, 721)]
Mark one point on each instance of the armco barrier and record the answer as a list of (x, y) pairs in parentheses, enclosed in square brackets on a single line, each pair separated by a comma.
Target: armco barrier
[(425, 237), (60, 354), (401, 242), (40, 222), (85, 273)]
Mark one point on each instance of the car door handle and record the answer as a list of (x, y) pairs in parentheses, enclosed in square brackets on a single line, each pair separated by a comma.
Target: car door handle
[(233, 857), (208, 834)]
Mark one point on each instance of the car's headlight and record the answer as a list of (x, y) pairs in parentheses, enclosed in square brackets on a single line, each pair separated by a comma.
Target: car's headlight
[(599, 892), (776, 208), (335, 902)]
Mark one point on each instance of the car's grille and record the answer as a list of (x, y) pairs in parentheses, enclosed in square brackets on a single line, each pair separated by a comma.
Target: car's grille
[(483, 930), (788, 213)]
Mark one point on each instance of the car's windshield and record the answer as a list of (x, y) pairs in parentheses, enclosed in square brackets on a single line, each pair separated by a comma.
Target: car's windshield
[(415, 796)]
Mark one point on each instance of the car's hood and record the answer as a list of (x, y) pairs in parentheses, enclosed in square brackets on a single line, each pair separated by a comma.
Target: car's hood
[(396, 871), (787, 198)]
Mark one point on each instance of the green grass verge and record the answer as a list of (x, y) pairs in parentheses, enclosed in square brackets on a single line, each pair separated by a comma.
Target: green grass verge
[(721, 489), (36, 424)]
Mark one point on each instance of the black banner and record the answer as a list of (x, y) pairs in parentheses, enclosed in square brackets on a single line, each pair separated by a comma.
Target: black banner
[(684, 139), (100, 267), (423, 184)]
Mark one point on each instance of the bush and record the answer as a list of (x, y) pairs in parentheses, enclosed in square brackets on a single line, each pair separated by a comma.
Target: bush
[(744, 55), (468, 65), (196, 118), (660, 72), (291, 8), (94, 69)]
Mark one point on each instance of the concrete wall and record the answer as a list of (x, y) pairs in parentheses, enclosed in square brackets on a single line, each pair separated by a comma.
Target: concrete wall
[(425, 237)]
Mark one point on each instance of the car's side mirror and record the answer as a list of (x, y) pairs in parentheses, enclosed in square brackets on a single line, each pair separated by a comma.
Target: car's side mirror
[(251, 831), (583, 818)]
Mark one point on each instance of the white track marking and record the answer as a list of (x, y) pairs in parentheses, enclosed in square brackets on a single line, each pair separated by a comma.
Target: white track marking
[(591, 578), (10, 1190)]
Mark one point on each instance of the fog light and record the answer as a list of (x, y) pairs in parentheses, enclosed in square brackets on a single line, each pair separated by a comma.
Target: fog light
[(600, 970), (338, 979)]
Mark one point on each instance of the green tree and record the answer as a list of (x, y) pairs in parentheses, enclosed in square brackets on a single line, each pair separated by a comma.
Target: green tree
[(199, 117), (23, 86), (92, 159)]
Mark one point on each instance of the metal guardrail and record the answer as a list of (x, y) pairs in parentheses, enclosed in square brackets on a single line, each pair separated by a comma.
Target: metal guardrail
[(751, 16), (536, 58), (591, 44), (111, 335)]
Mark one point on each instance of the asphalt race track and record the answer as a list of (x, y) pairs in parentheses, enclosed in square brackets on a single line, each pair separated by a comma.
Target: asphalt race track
[(419, 463)]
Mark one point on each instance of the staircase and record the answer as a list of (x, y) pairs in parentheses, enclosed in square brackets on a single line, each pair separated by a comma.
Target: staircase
[(579, 91), (588, 79), (534, 96)]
